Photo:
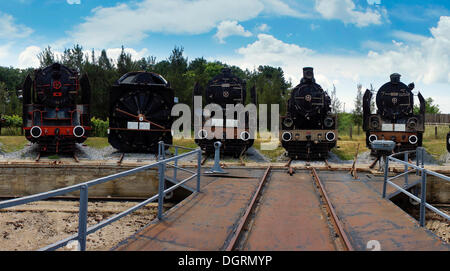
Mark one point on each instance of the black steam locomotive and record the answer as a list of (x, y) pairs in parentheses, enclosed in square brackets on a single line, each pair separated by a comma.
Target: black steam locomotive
[(395, 119), (225, 89), (55, 114), (309, 131), (140, 112)]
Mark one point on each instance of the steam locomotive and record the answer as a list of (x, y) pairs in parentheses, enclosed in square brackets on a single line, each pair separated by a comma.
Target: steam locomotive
[(448, 142), (309, 130), (225, 89), (140, 112), (395, 119), (53, 115)]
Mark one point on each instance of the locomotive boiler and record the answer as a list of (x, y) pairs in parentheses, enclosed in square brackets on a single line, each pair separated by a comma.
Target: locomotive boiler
[(309, 130), (225, 89), (140, 112), (56, 108), (394, 119)]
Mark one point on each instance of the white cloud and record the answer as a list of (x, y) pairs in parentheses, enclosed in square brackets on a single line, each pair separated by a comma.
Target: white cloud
[(347, 12), (10, 30), (132, 22), (230, 28), (28, 57), (263, 28), (410, 37), (72, 2), (426, 62), (374, 2)]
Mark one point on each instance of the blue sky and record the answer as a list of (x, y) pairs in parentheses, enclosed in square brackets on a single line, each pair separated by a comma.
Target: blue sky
[(347, 41)]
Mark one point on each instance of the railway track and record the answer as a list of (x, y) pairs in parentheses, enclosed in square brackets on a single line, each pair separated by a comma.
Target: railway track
[(240, 239)]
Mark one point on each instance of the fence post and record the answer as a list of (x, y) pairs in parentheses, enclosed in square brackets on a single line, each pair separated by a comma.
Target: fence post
[(351, 128), (161, 188), (386, 172), (423, 197), (199, 168), (406, 169), (436, 132), (175, 165), (82, 218)]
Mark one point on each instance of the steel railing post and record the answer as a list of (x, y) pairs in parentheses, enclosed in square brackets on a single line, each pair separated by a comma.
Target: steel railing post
[(176, 165), (423, 197), (423, 156), (161, 188), (199, 168), (417, 160), (82, 217), (386, 171), (406, 169)]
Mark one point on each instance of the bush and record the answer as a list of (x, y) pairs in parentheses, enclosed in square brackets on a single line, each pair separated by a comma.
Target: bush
[(99, 127), (13, 121)]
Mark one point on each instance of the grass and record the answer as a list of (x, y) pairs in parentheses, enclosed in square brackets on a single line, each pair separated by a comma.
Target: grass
[(97, 142), (12, 143), (346, 147)]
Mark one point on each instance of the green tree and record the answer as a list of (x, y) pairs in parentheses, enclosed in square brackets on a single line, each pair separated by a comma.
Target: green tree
[(430, 107), (46, 57), (357, 114)]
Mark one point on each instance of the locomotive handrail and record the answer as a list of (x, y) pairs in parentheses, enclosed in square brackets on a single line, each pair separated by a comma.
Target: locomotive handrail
[(83, 230), (418, 169)]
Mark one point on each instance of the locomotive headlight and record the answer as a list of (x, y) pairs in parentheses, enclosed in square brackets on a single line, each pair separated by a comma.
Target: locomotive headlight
[(328, 122), (202, 134), (412, 123), (245, 136), (413, 139), (373, 138), (374, 122), (288, 122), (330, 136), (286, 136), (78, 131), (36, 131)]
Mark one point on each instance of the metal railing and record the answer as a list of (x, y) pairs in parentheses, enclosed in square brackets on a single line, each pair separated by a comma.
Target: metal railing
[(83, 230), (419, 169)]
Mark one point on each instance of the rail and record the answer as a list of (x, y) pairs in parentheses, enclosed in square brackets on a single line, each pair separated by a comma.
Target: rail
[(83, 230), (420, 170)]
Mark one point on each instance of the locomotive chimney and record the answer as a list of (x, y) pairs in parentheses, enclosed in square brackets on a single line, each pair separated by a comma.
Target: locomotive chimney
[(308, 73), (226, 70), (395, 78)]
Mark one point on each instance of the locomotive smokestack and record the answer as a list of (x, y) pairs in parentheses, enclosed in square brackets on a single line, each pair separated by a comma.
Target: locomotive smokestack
[(226, 70), (308, 73), (395, 78)]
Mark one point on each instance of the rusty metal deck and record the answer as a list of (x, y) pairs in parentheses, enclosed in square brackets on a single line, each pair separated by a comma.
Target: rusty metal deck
[(366, 216), (290, 216), (203, 221)]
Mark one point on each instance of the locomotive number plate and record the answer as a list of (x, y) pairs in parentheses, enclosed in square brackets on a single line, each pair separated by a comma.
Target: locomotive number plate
[(399, 127), (230, 123), (387, 128), (144, 126), (138, 125), (133, 125)]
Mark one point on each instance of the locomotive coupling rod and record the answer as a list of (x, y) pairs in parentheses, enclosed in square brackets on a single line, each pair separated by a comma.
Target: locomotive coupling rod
[(334, 218)]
